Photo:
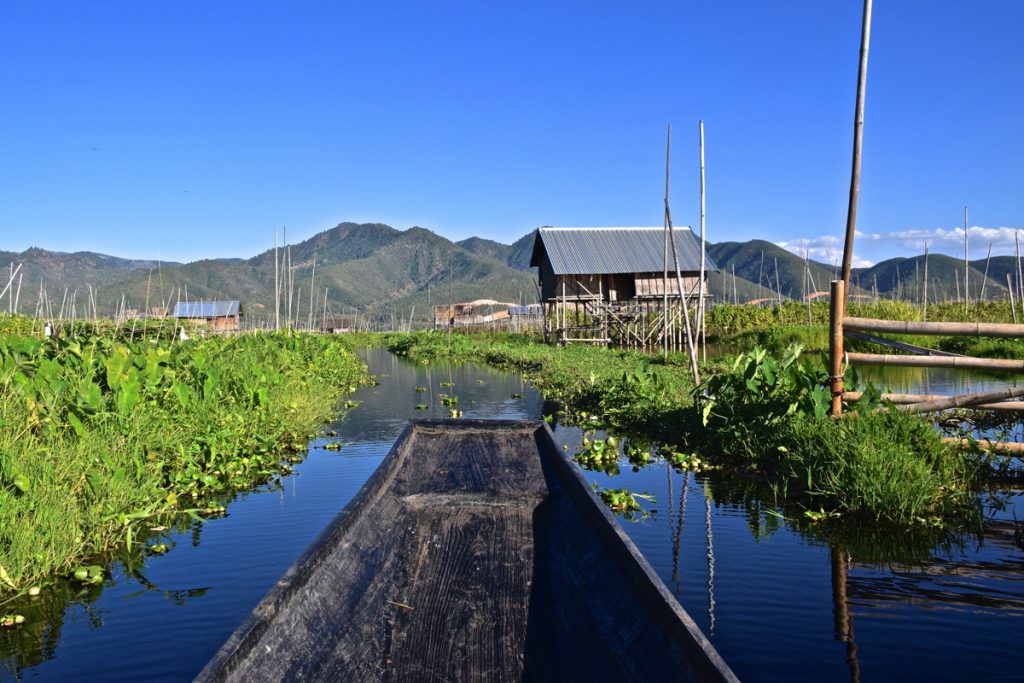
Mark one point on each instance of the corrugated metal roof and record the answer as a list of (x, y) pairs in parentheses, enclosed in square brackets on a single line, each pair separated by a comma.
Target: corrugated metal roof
[(579, 251), (206, 309)]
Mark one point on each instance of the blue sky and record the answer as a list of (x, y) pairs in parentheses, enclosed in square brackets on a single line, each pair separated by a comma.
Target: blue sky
[(189, 130)]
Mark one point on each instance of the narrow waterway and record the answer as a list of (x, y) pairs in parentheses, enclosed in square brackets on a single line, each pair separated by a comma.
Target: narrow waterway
[(778, 603)]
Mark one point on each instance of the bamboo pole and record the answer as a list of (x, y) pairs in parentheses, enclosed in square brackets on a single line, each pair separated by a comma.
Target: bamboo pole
[(900, 399), (964, 362), (664, 280), (277, 286), (1013, 307), (967, 268), (916, 327), (1020, 274), (1001, 447), (964, 401), (984, 278), (312, 295), (837, 306), (902, 346), (858, 136), (17, 294), (703, 245)]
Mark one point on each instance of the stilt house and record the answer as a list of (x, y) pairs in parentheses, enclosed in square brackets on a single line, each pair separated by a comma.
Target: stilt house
[(609, 285)]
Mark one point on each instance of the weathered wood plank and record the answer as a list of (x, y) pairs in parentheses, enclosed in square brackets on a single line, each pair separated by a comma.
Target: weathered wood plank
[(475, 552)]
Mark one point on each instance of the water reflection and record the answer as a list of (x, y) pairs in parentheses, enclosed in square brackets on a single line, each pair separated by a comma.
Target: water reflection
[(782, 600)]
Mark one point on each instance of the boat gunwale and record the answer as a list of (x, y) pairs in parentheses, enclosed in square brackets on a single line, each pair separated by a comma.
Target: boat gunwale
[(703, 656)]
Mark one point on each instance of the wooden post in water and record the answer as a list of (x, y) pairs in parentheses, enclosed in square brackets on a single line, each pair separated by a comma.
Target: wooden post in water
[(837, 309), (925, 314), (664, 281), (703, 246)]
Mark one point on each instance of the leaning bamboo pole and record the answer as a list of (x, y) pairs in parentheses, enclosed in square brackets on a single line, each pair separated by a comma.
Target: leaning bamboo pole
[(1000, 447), (975, 329), (984, 278), (960, 362), (902, 399), (1009, 288), (858, 136), (964, 401)]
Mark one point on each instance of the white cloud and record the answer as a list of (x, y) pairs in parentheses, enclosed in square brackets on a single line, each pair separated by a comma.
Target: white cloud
[(824, 249), (871, 247)]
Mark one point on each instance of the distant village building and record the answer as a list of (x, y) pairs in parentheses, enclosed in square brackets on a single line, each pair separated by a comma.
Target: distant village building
[(218, 315), (608, 285), (337, 324)]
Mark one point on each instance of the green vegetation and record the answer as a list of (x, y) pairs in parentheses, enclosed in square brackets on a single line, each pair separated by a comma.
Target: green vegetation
[(769, 417), (102, 438), (754, 414)]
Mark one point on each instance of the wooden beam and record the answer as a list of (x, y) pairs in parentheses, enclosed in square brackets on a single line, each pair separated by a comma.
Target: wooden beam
[(996, 364), (1002, 406), (1002, 447), (964, 401), (952, 329)]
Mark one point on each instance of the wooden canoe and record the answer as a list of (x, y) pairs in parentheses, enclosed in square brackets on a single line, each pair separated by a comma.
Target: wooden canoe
[(475, 552)]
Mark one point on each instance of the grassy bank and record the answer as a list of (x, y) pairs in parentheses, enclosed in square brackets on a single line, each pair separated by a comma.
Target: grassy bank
[(756, 414), (100, 437)]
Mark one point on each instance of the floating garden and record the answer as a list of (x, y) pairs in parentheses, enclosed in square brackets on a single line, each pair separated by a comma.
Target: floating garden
[(103, 436)]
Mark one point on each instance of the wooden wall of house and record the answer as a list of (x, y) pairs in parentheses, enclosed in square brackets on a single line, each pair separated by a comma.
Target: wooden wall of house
[(580, 287), (652, 285), (616, 287), (231, 322)]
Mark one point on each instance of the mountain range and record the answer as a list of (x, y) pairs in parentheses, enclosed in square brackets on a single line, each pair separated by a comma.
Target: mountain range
[(380, 271)]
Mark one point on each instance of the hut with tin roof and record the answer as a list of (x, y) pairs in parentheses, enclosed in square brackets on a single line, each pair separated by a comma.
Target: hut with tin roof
[(611, 285)]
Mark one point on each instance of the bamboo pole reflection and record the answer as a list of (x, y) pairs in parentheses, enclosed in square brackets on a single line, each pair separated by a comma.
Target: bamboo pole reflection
[(842, 616), (675, 524), (711, 562)]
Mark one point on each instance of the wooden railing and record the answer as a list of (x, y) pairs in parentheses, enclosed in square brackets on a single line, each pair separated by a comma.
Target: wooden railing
[(842, 326)]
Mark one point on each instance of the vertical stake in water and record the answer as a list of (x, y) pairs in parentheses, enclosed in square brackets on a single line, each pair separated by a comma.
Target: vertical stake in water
[(700, 315), (967, 267), (925, 298), (858, 136), (664, 280), (838, 303)]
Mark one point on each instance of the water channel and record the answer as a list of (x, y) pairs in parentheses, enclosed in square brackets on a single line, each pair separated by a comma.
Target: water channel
[(779, 603)]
